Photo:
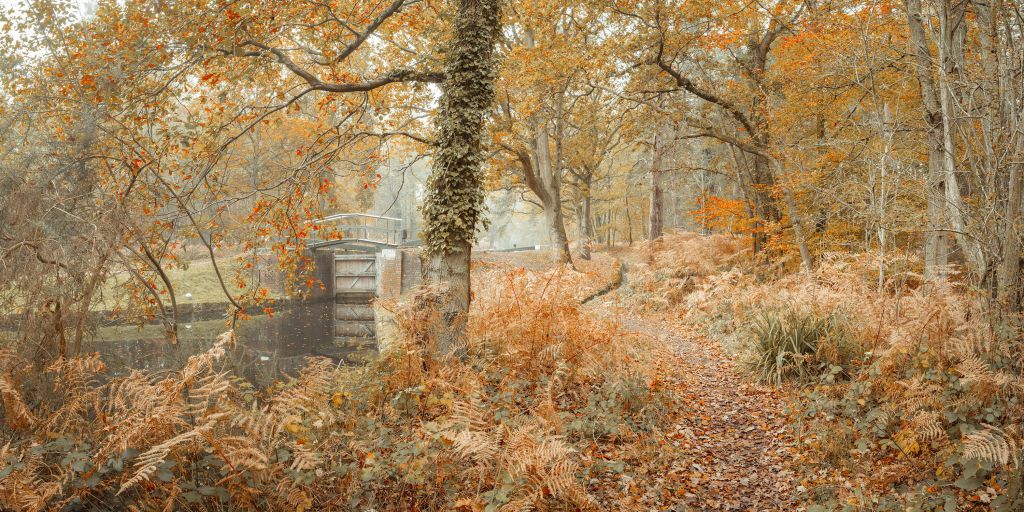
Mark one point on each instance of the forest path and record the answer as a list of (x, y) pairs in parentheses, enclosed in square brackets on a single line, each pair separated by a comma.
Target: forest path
[(732, 446)]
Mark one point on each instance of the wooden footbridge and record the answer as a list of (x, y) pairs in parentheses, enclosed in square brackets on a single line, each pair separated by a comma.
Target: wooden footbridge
[(360, 232)]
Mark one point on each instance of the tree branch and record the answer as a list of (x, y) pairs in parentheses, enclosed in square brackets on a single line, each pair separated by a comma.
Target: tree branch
[(393, 76), (692, 88)]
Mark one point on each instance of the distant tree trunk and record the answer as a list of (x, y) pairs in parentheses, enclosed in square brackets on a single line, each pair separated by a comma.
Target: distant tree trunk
[(542, 171), (544, 180), (629, 223), (556, 228), (584, 217), (550, 181), (798, 230), (455, 194), (657, 201)]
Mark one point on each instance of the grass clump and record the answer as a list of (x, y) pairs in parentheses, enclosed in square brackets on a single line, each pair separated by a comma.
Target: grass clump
[(793, 344)]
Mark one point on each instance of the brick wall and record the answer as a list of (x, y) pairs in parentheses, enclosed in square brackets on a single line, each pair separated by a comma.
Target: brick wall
[(399, 271), (390, 273), (412, 269), (325, 273)]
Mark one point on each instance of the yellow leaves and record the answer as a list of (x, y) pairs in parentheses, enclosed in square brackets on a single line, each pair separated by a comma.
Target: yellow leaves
[(339, 398), (302, 501), (908, 443), (294, 425)]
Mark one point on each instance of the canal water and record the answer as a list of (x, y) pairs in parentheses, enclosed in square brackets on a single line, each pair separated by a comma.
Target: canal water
[(270, 347)]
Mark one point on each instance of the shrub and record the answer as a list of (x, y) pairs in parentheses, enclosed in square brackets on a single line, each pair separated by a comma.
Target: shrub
[(674, 265)]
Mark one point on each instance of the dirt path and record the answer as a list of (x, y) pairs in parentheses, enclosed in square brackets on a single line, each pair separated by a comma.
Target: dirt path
[(731, 448), (733, 444)]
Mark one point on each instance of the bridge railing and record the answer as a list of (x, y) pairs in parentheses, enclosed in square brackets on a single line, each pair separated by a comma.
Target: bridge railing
[(359, 227)]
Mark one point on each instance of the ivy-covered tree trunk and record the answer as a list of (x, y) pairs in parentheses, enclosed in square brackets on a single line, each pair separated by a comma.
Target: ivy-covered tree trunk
[(455, 194)]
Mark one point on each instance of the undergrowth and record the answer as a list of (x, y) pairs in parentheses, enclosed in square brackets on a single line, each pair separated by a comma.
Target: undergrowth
[(550, 409), (906, 396)]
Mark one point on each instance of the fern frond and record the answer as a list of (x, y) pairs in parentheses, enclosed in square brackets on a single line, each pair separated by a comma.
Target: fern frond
[(990, 444), (17, 413), (477, 445), (928, 426), (147, 462)]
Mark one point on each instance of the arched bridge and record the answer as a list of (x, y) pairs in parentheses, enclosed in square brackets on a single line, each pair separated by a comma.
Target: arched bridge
[(359, 232)]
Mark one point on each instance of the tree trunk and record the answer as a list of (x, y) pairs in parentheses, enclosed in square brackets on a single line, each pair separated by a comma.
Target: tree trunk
[(935, 244), (999, 124), (764, 176), (1009, 285), (543, 173), (556, 228), (551, 198), (629, 223), (584, 221), (450, 270), (455, 193), (657, 201), (798, 231), (951, 53)]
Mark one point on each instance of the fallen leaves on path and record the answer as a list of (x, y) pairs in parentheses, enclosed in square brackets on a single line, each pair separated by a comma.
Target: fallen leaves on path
[(732, 449)]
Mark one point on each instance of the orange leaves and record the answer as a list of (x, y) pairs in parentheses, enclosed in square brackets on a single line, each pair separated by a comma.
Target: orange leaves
[(720, 213), (211, 78), (88, 81)]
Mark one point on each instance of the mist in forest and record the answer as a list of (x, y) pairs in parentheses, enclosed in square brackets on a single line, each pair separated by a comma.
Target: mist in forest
[(511, 221)]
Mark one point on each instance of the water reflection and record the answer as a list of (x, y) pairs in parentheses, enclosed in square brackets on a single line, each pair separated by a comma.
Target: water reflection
[(268, 346)]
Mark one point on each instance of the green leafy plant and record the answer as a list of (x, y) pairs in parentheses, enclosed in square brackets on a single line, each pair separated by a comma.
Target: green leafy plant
[(789, 343)]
